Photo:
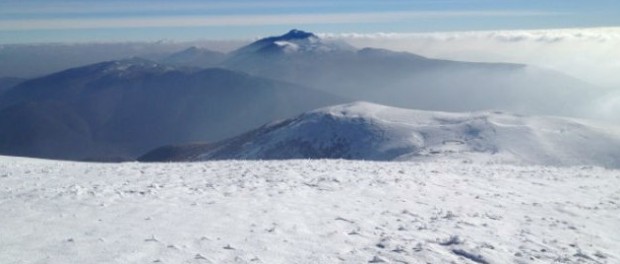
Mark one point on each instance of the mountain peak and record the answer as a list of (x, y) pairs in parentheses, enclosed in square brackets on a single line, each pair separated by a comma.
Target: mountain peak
[(297, 34), (294, 41)]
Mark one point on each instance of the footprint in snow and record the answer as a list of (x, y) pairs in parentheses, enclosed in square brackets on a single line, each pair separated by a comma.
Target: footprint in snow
[(344, 220), (200, 257), (471, 256), (151, 239), (228, 247), (377, 259), (453, 240)]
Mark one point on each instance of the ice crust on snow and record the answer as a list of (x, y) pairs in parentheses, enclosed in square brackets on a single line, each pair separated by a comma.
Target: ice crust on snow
[(300, 211)]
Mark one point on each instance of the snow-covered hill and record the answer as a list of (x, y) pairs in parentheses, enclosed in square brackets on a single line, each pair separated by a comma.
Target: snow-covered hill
[(306, 212), (375, 132)]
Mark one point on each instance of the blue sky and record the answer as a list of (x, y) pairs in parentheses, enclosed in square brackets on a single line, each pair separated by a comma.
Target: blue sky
[(23, 21)]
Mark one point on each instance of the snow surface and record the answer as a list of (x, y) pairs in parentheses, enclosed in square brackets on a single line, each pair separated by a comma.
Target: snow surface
[(369, 131), (300, 211)]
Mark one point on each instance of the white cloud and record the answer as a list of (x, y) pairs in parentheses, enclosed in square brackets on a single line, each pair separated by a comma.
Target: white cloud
[(591, 54), (544, 35)]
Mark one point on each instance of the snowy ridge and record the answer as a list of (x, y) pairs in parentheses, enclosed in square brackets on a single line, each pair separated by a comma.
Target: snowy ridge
[(125, 66), (375, 132), (299, 211)]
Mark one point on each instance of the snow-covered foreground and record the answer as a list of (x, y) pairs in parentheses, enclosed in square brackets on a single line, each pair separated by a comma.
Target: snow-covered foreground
[(306, 212)]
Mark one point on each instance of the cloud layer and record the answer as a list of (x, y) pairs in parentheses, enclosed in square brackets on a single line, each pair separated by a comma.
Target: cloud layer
[(590, 54)]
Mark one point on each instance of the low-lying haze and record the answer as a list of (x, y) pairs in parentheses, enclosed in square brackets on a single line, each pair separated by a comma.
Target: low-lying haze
[(589, 54)]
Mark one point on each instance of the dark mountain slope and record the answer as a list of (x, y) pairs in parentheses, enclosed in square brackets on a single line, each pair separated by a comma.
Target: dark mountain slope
[(6, 83), (128, 107)]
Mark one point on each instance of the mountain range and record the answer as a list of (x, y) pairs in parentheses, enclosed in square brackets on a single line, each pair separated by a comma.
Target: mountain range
[(401, 78), (120, 109), (408, 80)]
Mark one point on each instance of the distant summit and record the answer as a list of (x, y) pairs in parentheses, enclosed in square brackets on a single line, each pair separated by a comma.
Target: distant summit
[(409, 80), (296, 34), (295, 41)]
